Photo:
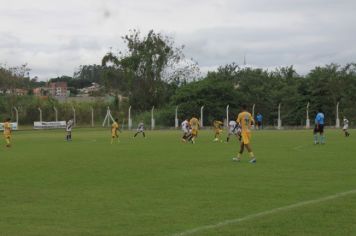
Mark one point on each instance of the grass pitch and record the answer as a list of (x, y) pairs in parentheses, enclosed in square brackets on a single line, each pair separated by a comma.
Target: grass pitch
[(160, 186)]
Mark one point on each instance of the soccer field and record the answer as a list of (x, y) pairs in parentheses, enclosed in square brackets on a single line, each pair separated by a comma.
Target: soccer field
[(160, 186)]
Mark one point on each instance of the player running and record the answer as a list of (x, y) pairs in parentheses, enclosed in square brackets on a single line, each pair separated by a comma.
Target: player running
[(140, 129), (7, 132), (186, 131), (245, 120), (114, 128), (319, 128), (69, 126), (194, 124), (346, 127), (218, 125), (234, 129)]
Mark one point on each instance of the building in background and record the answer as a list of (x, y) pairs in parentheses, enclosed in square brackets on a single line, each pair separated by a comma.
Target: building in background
[(58, 89)]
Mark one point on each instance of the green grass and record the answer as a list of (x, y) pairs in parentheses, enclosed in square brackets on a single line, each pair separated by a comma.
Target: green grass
[(160, 186)]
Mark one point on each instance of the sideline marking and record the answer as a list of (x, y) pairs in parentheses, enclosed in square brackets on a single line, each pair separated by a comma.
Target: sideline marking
[(264, 213)]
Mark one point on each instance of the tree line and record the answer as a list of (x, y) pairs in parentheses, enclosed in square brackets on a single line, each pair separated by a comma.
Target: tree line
[(153, 71)]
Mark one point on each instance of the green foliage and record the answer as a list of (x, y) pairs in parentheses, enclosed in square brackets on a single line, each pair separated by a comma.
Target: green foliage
[(213, 94), (28, 109), (323, 87), (15, 77), (154, 72)]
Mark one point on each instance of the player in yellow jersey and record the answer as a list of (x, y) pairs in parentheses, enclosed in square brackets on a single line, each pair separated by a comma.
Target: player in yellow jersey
[(7, 132), (245, 120), (114, 128), (194, 124), (217, 130)]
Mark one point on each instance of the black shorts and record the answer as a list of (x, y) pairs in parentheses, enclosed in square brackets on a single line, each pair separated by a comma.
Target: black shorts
[(259, 123), (320, 129)]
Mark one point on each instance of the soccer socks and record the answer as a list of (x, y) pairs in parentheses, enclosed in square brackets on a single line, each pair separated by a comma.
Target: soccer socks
[(315, 138), (322, 139), (69, 137), (253, 158), (8, 143)]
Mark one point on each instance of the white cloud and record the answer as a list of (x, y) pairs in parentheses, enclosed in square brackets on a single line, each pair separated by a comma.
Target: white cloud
[(55, 37)]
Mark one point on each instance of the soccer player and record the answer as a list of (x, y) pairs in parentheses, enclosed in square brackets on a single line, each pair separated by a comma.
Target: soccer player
[(346, 127), (7, 132), (217, 130), (140, 129), (69, 130), (245, 120), (114, 128), (319, 128), (194, 124), (234, 129), (186, 130), (259, 119)]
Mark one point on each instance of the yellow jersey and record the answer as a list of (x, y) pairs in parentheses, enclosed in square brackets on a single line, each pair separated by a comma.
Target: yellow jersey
[(114, 127), (7, 129), (245, 120), (194, 123), (218, 124)]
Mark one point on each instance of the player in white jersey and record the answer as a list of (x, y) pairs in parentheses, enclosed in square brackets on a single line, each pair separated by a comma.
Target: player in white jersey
[(140, 129), (234, 129), (69, 126), (346, 127), (186, 130)]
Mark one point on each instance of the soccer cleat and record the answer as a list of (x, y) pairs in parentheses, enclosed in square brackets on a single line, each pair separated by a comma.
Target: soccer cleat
[(253, 161), (235, 159)]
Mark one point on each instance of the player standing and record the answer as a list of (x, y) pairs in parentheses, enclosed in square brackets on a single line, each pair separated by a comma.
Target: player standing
[(217, 130), (259, 119), (194, 124), (7, 132), (140, 129), (114, 128), (69, 130), (346, 127), (319, 128), (245, 120)]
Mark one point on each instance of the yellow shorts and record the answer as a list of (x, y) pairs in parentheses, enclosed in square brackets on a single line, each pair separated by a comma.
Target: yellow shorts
[(7, 136), (246, 137), (114, 135), (195, 132), (218, 131)]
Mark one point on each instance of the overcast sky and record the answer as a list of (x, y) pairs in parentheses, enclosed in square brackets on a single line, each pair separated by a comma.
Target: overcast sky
[(55, 37)]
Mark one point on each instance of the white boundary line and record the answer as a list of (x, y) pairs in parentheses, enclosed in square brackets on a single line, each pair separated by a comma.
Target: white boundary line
[(264, 213)]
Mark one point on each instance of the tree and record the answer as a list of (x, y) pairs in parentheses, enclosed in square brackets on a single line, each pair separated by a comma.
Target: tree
[(152, 66)]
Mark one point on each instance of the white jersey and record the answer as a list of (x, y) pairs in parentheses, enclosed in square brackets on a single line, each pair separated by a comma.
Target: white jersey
[(232, 127), (185, 126), (141, 127), (69, 126), (346, 124)]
